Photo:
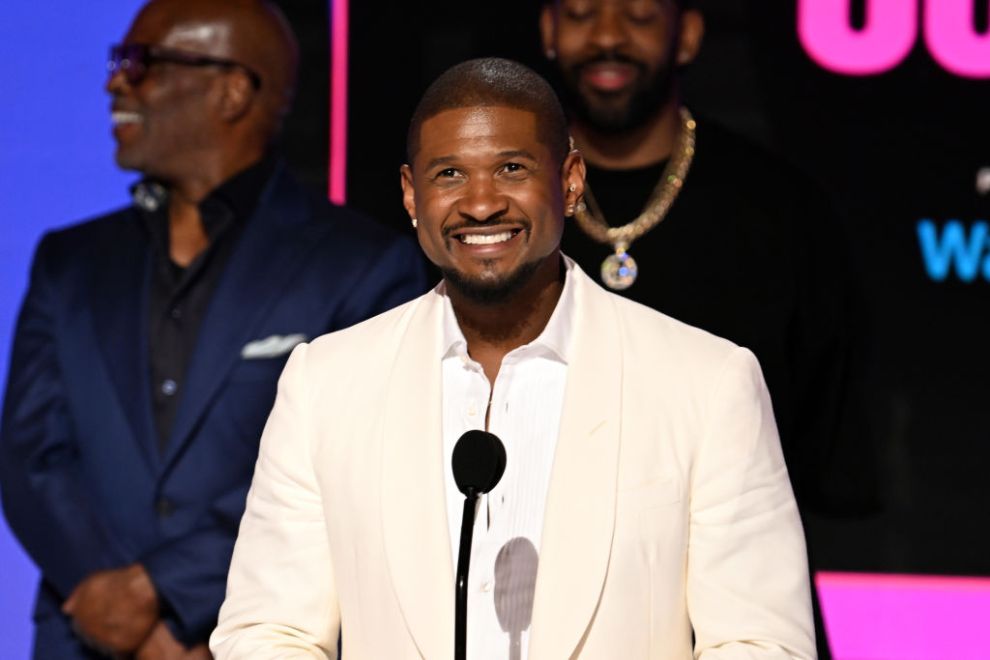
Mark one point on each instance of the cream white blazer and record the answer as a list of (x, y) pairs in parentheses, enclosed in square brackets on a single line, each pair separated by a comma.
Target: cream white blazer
[(669, 508)]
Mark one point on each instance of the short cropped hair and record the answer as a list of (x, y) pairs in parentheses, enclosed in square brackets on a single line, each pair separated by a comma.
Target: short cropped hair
[(490, 82)]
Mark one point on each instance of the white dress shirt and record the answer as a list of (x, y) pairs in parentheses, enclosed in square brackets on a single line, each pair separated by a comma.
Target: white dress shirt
[(526, 404)]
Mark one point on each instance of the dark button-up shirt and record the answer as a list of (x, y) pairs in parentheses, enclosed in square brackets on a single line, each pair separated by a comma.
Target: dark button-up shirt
[(180, 296)]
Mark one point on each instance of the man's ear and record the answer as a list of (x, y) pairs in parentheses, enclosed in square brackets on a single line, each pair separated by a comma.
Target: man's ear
[(408, 192), (572, 174), (692, 31), (236, 95), (548, 30)]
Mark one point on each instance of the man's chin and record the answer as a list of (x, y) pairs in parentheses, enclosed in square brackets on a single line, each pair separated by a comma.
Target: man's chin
[(607, 117), (126, 160), (490, 289)]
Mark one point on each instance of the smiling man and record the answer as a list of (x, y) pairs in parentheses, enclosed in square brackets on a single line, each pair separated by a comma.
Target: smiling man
[(150, 341), (645, 510)]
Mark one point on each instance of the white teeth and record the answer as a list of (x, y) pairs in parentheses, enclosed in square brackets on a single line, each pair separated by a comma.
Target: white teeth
[(119, 117), (486, 239)]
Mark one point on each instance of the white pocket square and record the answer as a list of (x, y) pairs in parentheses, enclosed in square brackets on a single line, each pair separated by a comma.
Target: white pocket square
[(270, 347)]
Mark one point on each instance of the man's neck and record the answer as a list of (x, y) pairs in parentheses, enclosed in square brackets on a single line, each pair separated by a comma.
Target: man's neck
[(493, 330), (646, 144), (194, 186), (187, 235)]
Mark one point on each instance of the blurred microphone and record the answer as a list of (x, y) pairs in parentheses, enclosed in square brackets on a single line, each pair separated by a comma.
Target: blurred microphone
[(478, 462), (515, 587)]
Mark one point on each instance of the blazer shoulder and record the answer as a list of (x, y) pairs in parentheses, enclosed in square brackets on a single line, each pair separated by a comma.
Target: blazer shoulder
[(62, 247), (345, 238), (368, 339), (356, 228), (94, 227)]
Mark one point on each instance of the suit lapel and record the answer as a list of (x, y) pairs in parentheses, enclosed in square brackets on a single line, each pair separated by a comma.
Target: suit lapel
[(580, 511), (119, 300), (414, 515), (269, 252)]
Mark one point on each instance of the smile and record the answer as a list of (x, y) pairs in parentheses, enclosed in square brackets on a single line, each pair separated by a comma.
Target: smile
[(119, 117), (609, 77), (487, 239)]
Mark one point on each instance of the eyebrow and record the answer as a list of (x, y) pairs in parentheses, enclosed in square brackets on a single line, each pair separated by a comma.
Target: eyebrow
[(443, 160), (510, 153), (516, 153)]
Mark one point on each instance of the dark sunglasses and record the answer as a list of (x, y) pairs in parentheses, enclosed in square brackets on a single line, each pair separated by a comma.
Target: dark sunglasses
[(133, 60)]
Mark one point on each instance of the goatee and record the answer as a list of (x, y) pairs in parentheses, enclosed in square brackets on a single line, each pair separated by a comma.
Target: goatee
[(493, 291)]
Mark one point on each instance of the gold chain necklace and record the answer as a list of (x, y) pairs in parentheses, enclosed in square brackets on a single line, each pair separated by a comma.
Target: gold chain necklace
[(619, 270)]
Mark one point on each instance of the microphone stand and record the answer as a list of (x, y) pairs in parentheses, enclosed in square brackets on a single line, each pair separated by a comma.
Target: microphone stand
[(463, 567), (478, 463)]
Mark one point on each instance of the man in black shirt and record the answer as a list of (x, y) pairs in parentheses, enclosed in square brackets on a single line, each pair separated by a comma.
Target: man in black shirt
[(150, 341), (687, 218)]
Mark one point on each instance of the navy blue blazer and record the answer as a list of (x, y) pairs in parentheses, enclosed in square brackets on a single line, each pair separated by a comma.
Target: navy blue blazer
[(84, 485)]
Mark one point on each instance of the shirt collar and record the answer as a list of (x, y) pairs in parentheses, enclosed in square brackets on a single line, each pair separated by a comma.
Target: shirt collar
[(554, 338), (234, 199)]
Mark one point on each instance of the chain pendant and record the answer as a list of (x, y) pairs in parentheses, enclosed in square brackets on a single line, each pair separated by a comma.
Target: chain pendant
[(619, 270)]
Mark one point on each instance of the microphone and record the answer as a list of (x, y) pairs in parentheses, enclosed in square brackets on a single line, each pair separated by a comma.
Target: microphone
[(478, 462)]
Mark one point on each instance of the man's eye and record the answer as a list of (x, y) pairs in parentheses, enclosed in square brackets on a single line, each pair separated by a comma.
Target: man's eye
[(513, 167), (643, 17), (576, 10), (644, 12), (447, 173), (577, 14)]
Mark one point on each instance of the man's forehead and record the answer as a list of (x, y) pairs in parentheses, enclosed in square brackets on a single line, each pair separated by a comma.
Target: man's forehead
[(197, 33), (180, 24), (494, 123)]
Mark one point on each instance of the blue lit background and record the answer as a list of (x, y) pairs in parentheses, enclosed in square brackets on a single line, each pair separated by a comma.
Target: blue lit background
[(56, 167)]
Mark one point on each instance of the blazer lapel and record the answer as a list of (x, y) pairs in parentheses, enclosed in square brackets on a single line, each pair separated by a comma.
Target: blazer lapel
[(580, 511), (414, 514), (269, 252), (119, 303)]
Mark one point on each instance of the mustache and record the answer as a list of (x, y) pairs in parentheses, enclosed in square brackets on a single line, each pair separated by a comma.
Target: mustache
[(499, 219), (610, 57)]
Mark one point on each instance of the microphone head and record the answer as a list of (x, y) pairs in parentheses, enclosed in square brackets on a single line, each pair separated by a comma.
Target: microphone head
[(478, 462)]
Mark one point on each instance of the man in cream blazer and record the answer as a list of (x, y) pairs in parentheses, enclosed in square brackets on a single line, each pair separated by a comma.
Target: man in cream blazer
[(669, 528)]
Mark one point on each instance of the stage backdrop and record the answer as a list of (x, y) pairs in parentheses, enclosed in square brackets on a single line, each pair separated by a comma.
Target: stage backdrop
[(883, 101)]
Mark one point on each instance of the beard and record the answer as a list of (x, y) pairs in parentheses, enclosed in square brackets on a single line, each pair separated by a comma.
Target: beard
[(491, 291), (617, 113)]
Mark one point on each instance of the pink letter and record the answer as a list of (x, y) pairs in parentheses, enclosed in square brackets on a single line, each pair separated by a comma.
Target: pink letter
[(952, 39), (886, 38)]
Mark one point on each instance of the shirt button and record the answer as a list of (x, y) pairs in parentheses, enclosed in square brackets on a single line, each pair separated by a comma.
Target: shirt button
[(169, 387), (472, 410), (164, 507), (486, 586), (175, 313)]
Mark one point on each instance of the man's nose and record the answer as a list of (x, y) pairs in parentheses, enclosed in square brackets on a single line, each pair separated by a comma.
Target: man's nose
[(482, 201), (116, 83), (608, 31)]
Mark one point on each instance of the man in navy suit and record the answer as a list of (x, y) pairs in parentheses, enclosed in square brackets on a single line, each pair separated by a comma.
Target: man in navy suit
[(150, 341)]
